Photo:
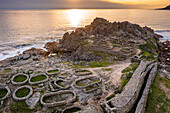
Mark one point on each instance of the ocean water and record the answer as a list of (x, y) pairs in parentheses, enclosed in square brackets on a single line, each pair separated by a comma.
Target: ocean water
[(23, 29)]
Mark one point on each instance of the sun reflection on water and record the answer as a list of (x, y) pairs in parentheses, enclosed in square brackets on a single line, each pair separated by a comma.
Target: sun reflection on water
[(75, 16)]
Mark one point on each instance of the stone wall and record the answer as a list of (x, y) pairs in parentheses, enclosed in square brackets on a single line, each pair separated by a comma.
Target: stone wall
[(123, 102), (142, 103)]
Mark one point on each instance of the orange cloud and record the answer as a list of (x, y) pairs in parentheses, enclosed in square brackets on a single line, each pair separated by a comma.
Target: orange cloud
[(138, 2)]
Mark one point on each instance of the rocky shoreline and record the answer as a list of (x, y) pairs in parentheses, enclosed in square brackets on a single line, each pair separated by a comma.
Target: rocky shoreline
[(85, 70)]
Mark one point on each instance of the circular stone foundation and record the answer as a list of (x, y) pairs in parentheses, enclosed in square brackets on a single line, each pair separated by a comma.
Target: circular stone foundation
[(59, 98), (22, 93), (19, 79), (4, 92), (86, 82), (38, 78), (61, 84), (82, 72), (53, 72)]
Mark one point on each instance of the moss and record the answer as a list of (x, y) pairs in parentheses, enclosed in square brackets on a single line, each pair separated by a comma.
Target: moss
[(128, 72), (157, 101), (148, 51), (79, 83), (22, 92), (6, 71), (116, 45), (20, 107), (99, 64), (53, 71), (3, 92), (38, 78), (20, 78), (111, 96)]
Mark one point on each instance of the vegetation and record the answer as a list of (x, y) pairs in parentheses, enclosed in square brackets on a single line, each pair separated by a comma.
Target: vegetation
[(3, 92), (53, 71), (157, 101), (20, 107), (38, 78), (148, 51), (6, 71), (116, 45), (22, 92), (111, 96), (128, 72), (20, 78)]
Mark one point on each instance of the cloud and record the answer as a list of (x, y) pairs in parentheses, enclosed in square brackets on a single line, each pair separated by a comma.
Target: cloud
[(43, 4)]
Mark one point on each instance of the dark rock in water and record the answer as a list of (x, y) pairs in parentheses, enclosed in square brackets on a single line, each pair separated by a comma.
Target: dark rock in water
[(22, 45), (101, 39), (35, 52)]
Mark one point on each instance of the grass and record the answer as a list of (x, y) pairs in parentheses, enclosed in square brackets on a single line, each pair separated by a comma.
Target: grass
[(3, 92), (148, 51), (22, 92), (38, 78), (157, 101), (116, 45), (20, 107), (127, 71), (6, 71), (110, 97), (53, 71), (20, 78)]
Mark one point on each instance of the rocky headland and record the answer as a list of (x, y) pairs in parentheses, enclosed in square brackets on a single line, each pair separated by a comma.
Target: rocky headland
[(103, 67)]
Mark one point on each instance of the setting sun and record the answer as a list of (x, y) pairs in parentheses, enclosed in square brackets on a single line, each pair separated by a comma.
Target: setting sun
[(75, 16)]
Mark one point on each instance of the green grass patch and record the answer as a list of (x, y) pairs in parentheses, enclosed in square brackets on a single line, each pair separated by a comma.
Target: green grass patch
[(116, 45), (53, 71), (111, 96), (38, 78), (3, 92), (20, 78), (148, 51), (6, 71), (157, 101), (128, 72), (22, 92), (20, 107)]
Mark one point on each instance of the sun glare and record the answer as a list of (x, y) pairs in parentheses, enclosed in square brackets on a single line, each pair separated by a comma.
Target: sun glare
[(75, 16)]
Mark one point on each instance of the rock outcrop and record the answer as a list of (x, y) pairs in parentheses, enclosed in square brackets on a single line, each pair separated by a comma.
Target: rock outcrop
[(101, 37)]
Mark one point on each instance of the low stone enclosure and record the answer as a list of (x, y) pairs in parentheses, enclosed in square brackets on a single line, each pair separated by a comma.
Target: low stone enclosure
[(19, 79), (60, 98), (82, 72), (38, 78), (6, 92), (15, 96), (122, 103)]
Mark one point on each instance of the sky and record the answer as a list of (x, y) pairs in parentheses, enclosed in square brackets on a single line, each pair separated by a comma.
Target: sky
[(87, 4)]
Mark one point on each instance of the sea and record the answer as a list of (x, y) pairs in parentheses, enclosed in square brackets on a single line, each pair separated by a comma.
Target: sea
[(24, 29)]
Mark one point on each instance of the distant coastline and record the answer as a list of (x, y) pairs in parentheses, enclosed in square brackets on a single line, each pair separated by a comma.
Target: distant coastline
[(166, 8)]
